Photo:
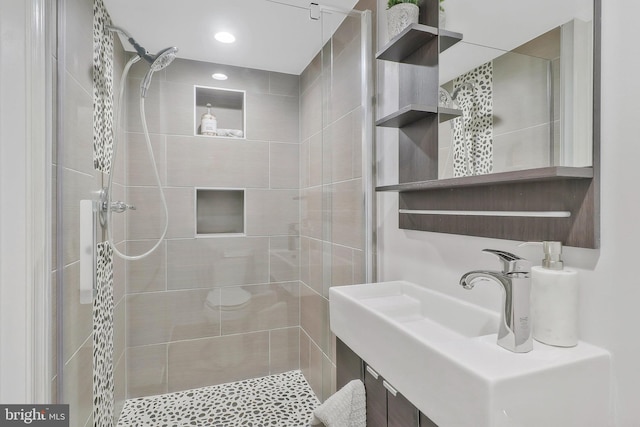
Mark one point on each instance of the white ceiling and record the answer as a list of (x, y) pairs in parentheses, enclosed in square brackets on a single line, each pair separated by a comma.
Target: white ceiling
[(269, 35)]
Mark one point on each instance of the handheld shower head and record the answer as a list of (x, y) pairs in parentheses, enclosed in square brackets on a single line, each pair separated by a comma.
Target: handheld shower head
[(162, 59), (157, 62)]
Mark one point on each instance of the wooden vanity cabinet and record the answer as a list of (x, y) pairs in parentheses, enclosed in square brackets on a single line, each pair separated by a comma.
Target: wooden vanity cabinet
[(386, 407)]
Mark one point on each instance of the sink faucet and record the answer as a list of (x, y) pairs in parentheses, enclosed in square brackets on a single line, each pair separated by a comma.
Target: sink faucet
[(515, 280)]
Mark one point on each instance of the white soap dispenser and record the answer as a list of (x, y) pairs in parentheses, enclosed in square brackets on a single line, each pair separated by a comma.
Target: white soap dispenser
[(208, 123), (554, 299)]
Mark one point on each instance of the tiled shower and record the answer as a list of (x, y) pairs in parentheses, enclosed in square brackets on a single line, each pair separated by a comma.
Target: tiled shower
[(205, 310)]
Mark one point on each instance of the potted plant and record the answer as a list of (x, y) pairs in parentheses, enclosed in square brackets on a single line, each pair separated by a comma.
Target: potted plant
[(401, 14)]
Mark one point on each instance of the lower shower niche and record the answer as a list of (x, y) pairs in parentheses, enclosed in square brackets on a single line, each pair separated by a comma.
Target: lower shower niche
[(220, 212)]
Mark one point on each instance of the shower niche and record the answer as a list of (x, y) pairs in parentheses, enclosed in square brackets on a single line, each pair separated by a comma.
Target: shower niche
[(228, 107), (220, 212)]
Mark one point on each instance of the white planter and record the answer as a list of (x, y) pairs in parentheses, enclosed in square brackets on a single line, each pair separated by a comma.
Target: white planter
[(400, 17)]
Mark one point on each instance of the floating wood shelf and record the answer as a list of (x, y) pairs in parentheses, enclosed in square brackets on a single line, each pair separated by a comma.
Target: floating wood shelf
[(448, 39), (407, 115), (414, 37), (412, 113), (555, 173), (407, 42), (446, 114)]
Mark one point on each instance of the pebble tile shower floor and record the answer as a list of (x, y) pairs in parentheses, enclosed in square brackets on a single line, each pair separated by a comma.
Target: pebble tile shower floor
[(283, 400)]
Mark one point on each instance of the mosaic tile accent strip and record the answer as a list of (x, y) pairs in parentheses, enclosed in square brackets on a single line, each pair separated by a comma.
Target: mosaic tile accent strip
[(473, 133), (102, 89), (283, 400), (103, 382)]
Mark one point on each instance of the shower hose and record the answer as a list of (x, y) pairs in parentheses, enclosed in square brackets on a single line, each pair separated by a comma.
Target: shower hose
[(116, 133)]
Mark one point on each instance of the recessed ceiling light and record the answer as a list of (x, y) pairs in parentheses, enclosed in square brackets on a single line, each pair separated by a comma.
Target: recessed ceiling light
[(219, 76), (224, 37)]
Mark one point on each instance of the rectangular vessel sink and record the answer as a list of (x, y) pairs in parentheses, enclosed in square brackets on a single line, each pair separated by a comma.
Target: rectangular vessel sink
[(441, 354)]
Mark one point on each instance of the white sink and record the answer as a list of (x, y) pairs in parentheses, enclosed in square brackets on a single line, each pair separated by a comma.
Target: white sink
[(441, 354)]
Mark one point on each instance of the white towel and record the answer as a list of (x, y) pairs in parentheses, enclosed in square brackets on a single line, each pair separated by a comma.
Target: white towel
[(346, 408)]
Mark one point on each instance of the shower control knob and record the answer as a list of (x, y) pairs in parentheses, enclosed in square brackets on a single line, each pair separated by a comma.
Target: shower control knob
[(119, 207)]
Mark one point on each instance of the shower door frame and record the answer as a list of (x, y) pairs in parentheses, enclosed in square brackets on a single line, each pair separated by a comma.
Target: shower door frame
[(25, 181)]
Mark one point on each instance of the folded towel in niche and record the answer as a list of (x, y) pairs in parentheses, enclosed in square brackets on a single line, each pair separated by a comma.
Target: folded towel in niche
[(346, 408), (236, 133)]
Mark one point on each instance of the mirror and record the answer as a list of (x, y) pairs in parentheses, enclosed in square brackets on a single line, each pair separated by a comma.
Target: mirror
[(522, 80)]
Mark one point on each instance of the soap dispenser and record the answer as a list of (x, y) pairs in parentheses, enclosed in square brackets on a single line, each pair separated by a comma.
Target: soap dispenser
[(554, 299), (208, 123)]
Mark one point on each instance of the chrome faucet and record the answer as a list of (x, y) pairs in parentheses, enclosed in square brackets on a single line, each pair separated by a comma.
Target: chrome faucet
[(515, 280)]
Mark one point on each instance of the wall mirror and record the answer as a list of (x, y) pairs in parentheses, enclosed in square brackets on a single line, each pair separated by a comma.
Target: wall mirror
[(522, 79)]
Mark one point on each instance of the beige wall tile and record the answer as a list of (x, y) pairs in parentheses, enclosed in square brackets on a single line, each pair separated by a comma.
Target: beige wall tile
[(272, 118), (204, 362), (78, 186), (284, 350), (316, 160), (284, 165), (346, 216), (284, 258), (304, 164), (316, 265), (77, 318), (523, 149), (139, 166), (284, 84), (311, 110), (78, 126), (328, 378), (345, 86), (314, 316), (118, 220), (159, 317), (78, 382), (217, 162), (119, 330), (272, 212), (270, 306), (310, 74), (168, 107), (217, 261), (314, 375), (341, 267), (147, 274), (311, 212), (147, 221), (523, 102), (304, 259), (146, 370), (305, 355), (347, 33), (119, 274), (199, 73), (120, 385), (79, 41), (338, 149), (182, 217), (359, 275)]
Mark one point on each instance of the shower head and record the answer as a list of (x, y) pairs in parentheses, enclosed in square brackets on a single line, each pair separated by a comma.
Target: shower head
[(163, 58), (158, 61)]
